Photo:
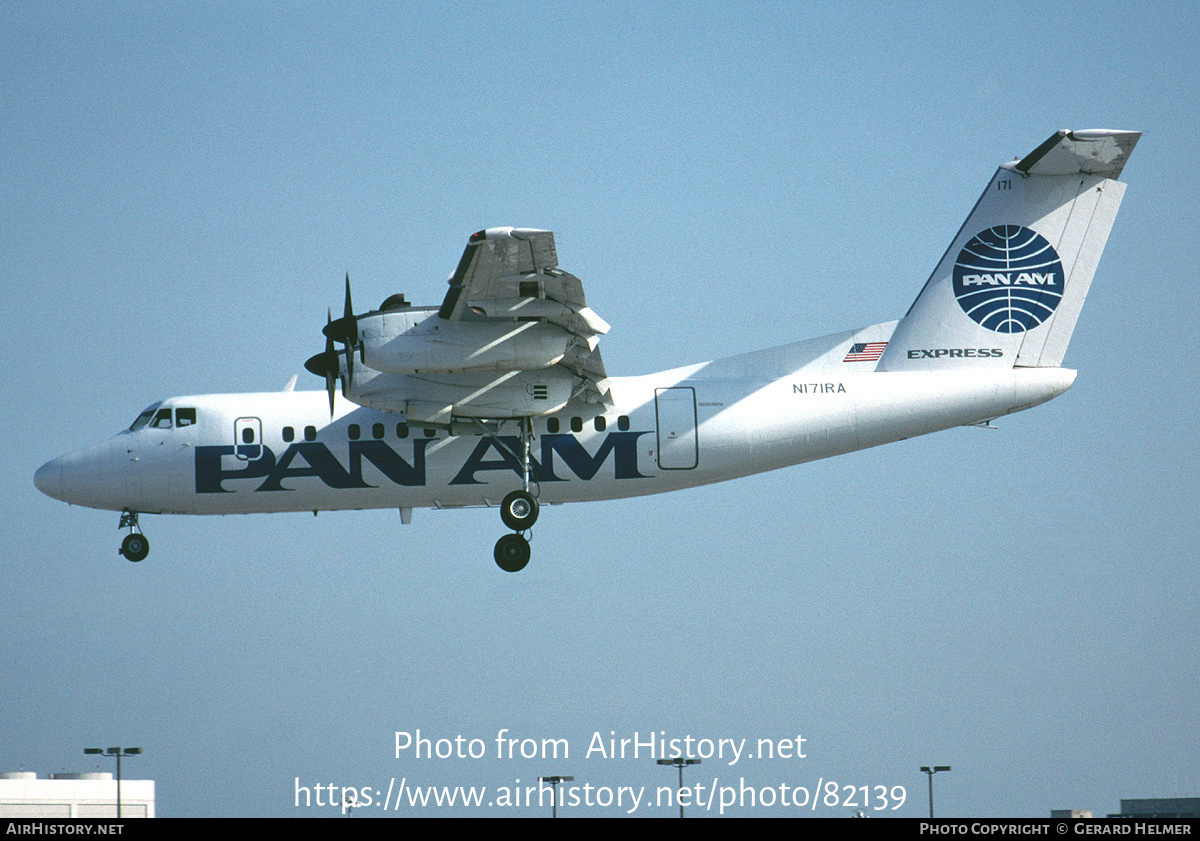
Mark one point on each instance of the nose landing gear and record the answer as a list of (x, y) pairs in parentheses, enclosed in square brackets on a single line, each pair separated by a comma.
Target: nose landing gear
[(135, 546)]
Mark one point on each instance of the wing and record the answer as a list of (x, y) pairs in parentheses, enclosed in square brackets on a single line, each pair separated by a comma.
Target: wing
[(512, 273)]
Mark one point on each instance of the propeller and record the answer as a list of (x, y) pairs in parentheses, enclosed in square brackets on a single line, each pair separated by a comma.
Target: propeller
[(325, 364), (345, 330)]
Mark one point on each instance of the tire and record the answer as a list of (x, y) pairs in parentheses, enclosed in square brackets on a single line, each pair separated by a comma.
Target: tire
[(519, 510), (512, 553), (135, 546)]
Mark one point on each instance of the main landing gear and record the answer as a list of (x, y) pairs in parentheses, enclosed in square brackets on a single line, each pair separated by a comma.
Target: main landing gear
[(135, 546), (519, 511)]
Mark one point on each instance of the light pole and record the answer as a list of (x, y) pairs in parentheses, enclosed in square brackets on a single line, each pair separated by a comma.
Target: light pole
[(930, 772), (679, 762), (118, 753), (554, 781)]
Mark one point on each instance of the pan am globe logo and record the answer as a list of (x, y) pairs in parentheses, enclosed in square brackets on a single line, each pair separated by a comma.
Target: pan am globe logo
[(1008, 279)]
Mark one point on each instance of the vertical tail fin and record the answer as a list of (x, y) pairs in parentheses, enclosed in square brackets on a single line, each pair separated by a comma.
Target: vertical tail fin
[(1009, 289)]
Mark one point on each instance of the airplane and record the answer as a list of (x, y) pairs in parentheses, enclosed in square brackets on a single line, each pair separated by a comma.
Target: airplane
[(499, 397)]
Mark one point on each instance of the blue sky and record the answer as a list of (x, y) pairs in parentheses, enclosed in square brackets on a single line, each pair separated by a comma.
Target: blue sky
[(184, 189)]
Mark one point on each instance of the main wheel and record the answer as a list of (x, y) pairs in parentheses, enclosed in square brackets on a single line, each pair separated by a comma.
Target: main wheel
[(519, 510), (512, 553), (135, 546)]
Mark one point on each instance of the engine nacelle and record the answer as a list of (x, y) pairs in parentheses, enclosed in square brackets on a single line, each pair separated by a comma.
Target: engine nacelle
[(416, 341), (430, 398)]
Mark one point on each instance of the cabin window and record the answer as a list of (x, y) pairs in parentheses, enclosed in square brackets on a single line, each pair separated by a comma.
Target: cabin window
[(289, 434), (577, 424), (623, 423), (429, 433), (247, 435), (377, 430), (353, 431), (310, 433), (185, 417), (600, 423), (401, 430), (552, 425)]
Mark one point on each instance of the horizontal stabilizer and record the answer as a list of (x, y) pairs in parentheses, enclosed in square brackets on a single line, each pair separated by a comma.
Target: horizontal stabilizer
[(1095, 152)]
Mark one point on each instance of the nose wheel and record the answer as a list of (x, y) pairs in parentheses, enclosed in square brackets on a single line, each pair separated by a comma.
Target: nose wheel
[(135, 546)]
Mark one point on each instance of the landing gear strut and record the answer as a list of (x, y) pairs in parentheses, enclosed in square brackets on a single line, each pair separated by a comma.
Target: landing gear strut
[(519, 511), (135, 546)]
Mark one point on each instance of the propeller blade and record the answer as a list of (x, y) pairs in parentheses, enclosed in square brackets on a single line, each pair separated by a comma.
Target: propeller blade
[(344, 329), (326, 364), (351, 332), (330, 369)]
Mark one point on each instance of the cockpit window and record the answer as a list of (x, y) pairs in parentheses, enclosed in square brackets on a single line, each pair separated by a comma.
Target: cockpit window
[(144, 417), (159, 417)]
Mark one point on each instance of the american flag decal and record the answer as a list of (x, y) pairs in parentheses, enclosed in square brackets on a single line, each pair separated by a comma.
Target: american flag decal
[(865, 352)]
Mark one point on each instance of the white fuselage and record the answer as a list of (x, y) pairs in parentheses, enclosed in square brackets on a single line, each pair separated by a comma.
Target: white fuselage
[(281, 451)]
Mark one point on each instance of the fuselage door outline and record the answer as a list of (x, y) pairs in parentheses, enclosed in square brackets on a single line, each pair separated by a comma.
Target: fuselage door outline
[(247, 439), (675, 413)]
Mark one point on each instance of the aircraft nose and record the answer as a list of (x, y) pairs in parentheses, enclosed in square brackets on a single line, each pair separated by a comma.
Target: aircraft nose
[(100, 476), (48, 478)]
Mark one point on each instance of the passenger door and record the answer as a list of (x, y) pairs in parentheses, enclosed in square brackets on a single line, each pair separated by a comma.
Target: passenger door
[(675, 411), (247, 439)]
